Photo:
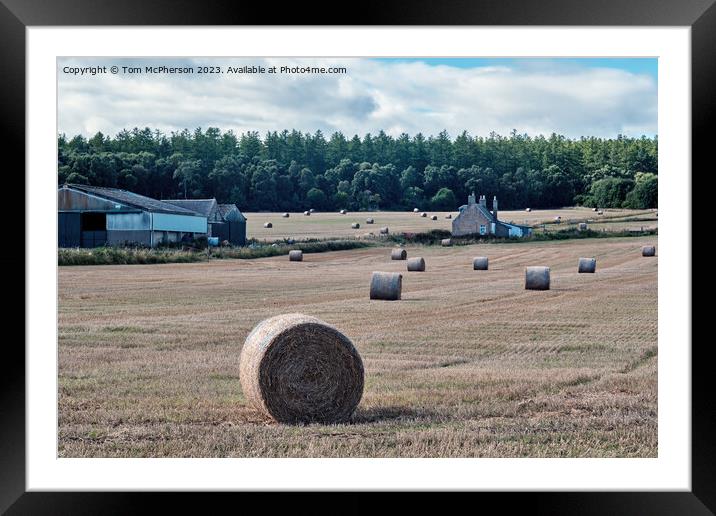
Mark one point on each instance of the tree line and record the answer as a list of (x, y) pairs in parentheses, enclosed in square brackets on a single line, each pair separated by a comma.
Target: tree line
[(292, 170)]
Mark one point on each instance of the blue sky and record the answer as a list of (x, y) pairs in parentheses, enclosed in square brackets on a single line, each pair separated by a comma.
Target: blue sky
[(575, 97)]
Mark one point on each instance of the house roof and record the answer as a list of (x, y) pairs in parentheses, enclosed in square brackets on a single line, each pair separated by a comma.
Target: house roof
[(203, 207), (225, 209), (131, 199)]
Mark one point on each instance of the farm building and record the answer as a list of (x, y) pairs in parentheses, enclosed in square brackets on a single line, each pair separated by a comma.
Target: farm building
[(91, 216), (225, 221), (475, 219)]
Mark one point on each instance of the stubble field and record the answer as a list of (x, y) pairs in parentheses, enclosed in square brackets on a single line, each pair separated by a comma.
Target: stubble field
[(467, 364)]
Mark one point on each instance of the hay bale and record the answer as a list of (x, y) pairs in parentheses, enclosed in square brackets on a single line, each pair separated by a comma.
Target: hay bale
[(423, 214), (386, 286), (416, 264), (415, 210), (355, 225), (446, 242), (307, 213), (434, 217), (480, 263), (582, 226), (268, 225), (594, 209), (588, 265), (285, 215), (537, 278), (528, 209), (342, 212), (648, 250), (369, 221), (600, 212), (384, 231), (311, 210), (297, 369), (558, 220), (295, 256), (448, 216), (398, 254)]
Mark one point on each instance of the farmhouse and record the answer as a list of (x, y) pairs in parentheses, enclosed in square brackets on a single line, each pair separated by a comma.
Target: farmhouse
[(475, 219), (91, 216), (224, 221)]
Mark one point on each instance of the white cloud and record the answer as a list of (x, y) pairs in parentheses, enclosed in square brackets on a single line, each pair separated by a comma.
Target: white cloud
[(397, 97)]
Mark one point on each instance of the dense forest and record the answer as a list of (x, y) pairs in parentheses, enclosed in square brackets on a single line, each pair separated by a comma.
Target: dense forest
[(291, 170)]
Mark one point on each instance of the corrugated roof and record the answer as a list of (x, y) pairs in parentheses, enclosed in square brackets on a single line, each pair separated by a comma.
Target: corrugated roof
[(201, 206), (224, 209), (132, 199)]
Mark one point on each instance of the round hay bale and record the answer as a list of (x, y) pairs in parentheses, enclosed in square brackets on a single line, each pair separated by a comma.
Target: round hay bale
[(423, 214), (342, 212), (285, 215), (537, 278), (434, 217), (355, 225), (448, 216), (594, 209), (295, 256), (582, 226), (416, 264), (648, 250), (369, 221), (528, 209), (600, 212), (307, 213), (386, 286), (398, 254), (384, 231), (446, 242), (558, 219), (480, 263), (415, 210), (311, 210), (587, 265), (268, 225), (297, 369)]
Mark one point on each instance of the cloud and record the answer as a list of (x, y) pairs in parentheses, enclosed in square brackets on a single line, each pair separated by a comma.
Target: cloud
[(398, 96)]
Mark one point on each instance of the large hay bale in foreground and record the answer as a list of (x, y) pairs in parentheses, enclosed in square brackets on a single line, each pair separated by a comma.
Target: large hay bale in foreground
[(537, 278), (588, 265), (384, 231), (446, 242), (416, 264), (355, 225), (398, 254), (297, 369), (295, 256), (268, 225), (386, 286), (648, 250), (480, 263)]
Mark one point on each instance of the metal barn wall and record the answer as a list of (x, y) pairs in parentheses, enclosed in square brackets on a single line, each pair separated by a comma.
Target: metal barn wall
[(71, 200), (129, 221), (183, 223), (68, 230)]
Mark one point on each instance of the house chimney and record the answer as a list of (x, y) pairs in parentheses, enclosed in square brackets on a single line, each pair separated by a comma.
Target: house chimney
[(483, 201), (471, 198)]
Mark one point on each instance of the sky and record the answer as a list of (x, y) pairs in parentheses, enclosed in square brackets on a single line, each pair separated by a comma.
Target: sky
[(575, 97)]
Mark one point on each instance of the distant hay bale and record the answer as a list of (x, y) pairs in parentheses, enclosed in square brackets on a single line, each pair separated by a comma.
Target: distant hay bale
[(582, 226), (355, 225), (423, 214), (600, 212), (268, 225), (648, 250), (384, 231), (386, 286), (448, 216), (446, 242), (558, 219), (297, 369), (537, 278), (285, 215), (415, 210), (342, 212), (311, 210), (369, 221), (528, 209), (295, 256), (307, 213), (416, 264), (588, 265), (398, 254), (480, 263), (594, 209), (434, 217)]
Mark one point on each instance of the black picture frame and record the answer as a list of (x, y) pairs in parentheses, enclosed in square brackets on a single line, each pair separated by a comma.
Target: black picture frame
[(16, 15)]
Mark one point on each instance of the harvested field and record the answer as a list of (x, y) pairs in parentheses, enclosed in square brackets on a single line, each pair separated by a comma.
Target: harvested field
[(333, 225), (464, 365)]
